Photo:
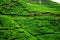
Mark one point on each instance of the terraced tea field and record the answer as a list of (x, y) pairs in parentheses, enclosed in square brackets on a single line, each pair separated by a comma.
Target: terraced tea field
[(22, 20)]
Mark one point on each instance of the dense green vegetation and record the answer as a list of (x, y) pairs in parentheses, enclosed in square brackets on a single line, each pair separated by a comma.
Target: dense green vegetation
[(29, 20)]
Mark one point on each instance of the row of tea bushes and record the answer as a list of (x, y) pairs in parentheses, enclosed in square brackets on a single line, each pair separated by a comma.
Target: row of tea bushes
[(10, 30), (40, 25), (21, 7), (29, 28)]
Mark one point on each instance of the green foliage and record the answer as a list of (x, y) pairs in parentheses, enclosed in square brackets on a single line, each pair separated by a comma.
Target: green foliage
[(8, 22), (54, 6), (22, 20), (2, 2), (49, 37), (39, 25), (16, 7), (12, 31)]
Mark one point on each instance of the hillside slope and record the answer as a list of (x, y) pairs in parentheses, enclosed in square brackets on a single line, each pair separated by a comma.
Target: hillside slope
[(22, 20), (27, 7)]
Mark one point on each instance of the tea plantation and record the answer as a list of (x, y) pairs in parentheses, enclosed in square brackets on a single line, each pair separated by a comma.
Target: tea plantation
[(29, 20)]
